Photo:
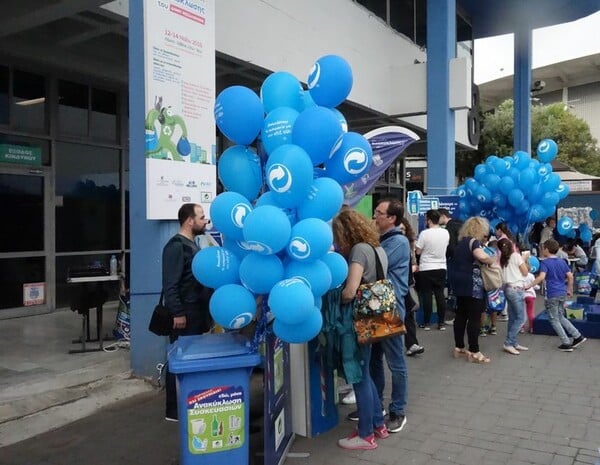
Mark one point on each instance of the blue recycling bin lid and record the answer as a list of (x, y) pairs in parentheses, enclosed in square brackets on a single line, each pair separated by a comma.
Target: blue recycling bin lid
[(208, 352)]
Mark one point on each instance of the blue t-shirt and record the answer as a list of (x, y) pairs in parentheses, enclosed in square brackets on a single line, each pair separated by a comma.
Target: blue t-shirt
[(556, 270)]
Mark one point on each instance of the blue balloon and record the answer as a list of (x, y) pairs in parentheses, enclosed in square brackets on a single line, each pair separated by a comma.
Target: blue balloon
[(550, 199), (259, 273), (471, 186), (593, 214), (521, 159), (499, 200), (277, 128), (508, 163), (215, 267), (315, 275), (506, 185), (527, 178), (228, 212), (269, 198), (515, 197), (310, 239), (232, 306), (267, 230), (341, 118), (323, 201), (461, 191), (586, 236), (537, 212), (351, 160), (307, 100), (239, 114), (291, 301), (492, 181), (535, 193), (563, 190), (282, 89), (318, 131), (564, 225), (330, 81), (239, 248), (543, 169), (480, 172), (240, 159), (289, 174), (483, 195), (534, 264), (550, 182), (338, 266), (547, 150), (499, 166), (300, 333)]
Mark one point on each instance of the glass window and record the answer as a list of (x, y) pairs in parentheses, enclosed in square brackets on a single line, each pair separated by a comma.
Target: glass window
[(421, 23), (14, 272), (402, 17), (88, 214), (379, 7), (73, 104), (103, 124), (4, 88), (28, 110)]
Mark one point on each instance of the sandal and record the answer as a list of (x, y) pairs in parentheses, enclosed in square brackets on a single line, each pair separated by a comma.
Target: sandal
[(460, 352), (478, 358)]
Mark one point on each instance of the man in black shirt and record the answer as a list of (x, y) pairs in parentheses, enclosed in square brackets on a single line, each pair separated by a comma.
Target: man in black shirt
[(453, 227), (186, 299)]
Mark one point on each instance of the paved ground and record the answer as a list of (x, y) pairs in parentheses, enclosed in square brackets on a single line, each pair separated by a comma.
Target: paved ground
[(541, 407)]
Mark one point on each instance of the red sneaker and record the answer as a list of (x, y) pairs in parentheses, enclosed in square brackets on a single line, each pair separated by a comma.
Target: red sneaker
[(382, 432), (355, 442)]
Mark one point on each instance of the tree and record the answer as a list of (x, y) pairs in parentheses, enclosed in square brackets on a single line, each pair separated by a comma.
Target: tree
[(577, 148)]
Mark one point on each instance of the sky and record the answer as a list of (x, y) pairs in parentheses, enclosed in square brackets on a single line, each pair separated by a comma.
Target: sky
[(494, 55)]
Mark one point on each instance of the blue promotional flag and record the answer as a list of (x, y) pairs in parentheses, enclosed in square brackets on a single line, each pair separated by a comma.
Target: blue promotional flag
[(387, 144)]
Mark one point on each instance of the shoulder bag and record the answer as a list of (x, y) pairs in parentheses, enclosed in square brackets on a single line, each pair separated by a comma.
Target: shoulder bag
[(161, 322), (490, 274), (375, 313)]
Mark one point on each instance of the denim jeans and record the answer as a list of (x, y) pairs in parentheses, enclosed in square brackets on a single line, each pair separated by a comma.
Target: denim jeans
[(555, 308), (368, 403), (516, 314), (394, 356)]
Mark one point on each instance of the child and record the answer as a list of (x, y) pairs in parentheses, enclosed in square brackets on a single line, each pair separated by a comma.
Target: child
[(555, 271), (530, 296), (491, 249)]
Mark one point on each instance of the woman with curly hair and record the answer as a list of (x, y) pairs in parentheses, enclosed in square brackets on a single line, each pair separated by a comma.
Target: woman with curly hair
[(358, 242), (467, 283)]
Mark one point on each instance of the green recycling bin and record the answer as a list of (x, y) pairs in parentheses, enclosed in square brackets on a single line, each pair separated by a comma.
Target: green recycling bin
[(213, 398)]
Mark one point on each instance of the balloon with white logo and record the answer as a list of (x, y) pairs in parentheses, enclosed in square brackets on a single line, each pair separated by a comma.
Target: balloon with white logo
[(324, 200), (267, 230), (291, 301), (268, 198), (315, 274), (318, 131), (341, 118), (232, 306), (240, 159), (564, 225), (563, 190), (259, 273), (239, 114), (238, 247), (228, 212), (338, 266), (351, 160), (330, 81), (289, 175), (277, 128), (282, 89), (299, 333), (310, 239), (547, 150), (215, 267)]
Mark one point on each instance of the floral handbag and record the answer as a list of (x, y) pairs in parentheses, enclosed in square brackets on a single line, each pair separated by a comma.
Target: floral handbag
[(376, 314)]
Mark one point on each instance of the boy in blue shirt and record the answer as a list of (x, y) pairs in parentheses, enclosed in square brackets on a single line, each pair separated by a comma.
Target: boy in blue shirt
[(556, 271)]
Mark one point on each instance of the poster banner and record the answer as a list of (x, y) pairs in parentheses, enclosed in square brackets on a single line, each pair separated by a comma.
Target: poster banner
[(387, 144), (179, 69)]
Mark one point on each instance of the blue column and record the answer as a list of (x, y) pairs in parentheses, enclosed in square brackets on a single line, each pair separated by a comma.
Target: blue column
[(441, 47), (146, 237), (522, 88)]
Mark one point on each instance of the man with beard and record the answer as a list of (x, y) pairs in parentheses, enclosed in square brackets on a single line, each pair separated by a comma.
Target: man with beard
[(186, 299)]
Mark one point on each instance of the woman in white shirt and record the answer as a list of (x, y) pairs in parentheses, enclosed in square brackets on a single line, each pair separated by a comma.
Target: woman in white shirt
[(514, 271)]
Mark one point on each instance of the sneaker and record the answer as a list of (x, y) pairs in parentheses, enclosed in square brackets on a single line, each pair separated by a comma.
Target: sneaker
[(353, 416), (355, 442), (349, 398), (173, 419), (425, 327), (578, 341), (565, 348), (381, 432), (492, 331), (482, 332), (415, 349), (521, 348), (442, 328), (511, 350), (502, 317), (396, 423), (449, 322)]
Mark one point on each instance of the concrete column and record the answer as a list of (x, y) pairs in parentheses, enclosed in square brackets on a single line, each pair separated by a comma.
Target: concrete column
[(522, 88)]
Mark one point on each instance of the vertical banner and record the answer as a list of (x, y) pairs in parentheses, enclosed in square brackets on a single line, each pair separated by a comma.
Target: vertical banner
[(387, 144), (179, 70)]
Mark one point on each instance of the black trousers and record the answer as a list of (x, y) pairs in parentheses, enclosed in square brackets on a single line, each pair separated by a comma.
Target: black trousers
[(410, 337), (432, 282), (468, 315)]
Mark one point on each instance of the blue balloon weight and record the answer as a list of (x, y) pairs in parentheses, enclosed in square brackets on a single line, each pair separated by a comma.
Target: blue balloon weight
[(259, 273), (547, 150), (338, 266), (289, 175), (232, 306), (291, 300), (330, 81), (534, 264), (240, 159), (277, 128), (228, 212), (315, 274), (563, 190), (515, 197), (323, 201), (267, 230), (318, 131), (521, 159), (302, 332), (216, 266), (593, 214), (282, 89), (239, 114), (351, 160), (310, 239), (341, 118), (564, 225)]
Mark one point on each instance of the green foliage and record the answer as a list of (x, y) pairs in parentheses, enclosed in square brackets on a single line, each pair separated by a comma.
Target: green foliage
[(576, 146)]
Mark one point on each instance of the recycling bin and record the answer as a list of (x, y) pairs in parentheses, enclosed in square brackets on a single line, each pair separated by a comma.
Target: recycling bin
[(213, 398)]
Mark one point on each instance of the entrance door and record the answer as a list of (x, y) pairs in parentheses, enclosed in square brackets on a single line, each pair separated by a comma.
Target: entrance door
[(25, 276)]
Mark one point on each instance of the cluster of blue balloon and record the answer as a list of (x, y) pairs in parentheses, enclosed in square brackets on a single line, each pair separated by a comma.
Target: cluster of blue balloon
[(277, 244), (517, 190), (566, 227)]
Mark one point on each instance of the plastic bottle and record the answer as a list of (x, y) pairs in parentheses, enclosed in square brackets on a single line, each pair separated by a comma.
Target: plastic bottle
[(113, 265)]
